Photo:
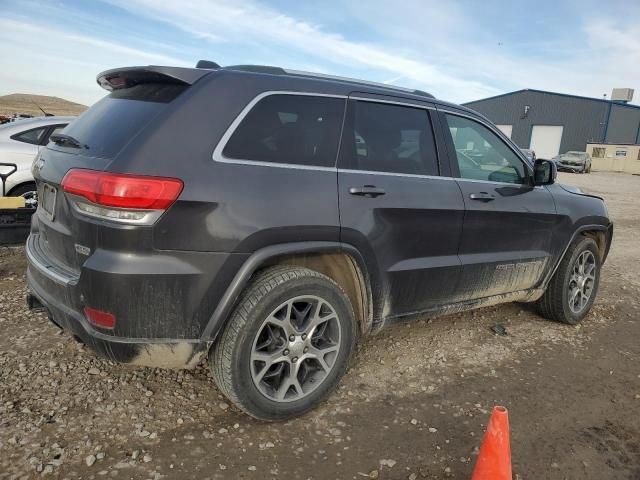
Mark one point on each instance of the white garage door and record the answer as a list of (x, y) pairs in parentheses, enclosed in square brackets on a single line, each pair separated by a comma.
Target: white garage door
[(545, 140), (506, 129)]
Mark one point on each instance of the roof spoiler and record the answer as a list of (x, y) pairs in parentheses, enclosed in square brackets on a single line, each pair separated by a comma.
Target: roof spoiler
[(119, 78)]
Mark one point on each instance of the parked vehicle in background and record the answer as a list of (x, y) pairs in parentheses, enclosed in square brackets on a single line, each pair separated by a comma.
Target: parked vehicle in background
[(20, 142), (530, 154), (577, 162), (269, 219)]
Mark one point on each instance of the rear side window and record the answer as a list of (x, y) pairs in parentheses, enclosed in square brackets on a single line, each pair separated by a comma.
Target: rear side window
[(112, 122), (292, 129), (383, 137), (33, 136)]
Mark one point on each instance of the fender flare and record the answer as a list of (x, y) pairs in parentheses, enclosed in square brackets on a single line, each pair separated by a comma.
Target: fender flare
[(260, 257), (609, 235)]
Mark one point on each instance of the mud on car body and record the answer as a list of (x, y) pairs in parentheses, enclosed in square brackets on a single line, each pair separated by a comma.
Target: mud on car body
[(268, 219)]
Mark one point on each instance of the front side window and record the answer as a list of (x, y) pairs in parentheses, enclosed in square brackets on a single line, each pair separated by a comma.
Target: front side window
[(33, 136), (383, 137), (482, 155), (292, 129)]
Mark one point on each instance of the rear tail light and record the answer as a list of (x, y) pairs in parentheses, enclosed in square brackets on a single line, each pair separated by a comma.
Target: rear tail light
[(121, 197), (99, 318)]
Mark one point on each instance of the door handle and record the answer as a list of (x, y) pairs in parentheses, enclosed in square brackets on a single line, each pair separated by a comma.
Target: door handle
[(369, 191), (482, 197)]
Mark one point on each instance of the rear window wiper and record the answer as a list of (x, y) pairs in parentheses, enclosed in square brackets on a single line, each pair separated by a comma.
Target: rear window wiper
[(68, 140)]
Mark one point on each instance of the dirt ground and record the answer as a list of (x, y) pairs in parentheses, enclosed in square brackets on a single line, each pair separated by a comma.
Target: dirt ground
[(414, 405)]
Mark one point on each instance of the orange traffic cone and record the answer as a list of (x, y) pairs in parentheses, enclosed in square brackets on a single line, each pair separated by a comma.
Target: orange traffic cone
[(494, 461)]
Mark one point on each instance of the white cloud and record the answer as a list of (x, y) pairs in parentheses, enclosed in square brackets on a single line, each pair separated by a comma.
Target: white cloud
[(441, 47), (43, 60), (257, 23), (21, 29)]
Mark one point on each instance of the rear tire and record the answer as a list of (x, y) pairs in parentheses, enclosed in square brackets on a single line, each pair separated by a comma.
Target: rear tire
[(287, 344), (574, 286), (25, 188)]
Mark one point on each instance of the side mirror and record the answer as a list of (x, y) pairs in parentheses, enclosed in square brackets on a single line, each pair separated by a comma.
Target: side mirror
[(544, 172)]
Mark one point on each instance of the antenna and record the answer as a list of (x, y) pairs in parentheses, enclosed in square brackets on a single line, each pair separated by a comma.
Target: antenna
[(208, 64), (40, 108)]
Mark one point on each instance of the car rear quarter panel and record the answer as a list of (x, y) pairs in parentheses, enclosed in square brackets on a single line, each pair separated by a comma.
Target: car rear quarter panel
[(228, 210)]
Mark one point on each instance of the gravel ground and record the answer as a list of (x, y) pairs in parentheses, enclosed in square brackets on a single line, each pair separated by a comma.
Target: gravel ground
[(414, 405)]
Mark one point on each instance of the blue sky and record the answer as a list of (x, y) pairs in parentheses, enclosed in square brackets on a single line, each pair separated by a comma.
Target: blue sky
[(457, 50)]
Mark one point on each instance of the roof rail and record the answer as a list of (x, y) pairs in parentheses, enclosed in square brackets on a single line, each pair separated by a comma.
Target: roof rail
[(301, 73), (284, 71), (257, 69)]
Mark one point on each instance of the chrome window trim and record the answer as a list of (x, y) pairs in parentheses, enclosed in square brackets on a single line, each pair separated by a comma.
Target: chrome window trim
[(219, 157), (433, 177), (260, 163), (492, 182), (394, 174), (217, 152)]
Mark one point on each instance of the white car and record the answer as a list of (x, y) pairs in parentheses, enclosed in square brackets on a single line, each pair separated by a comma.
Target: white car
[(20, 142)]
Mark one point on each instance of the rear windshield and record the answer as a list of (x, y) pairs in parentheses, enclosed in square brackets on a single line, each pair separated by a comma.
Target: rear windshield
[(112, 122)]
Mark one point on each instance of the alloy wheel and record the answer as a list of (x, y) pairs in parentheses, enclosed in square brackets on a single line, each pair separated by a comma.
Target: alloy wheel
[(582, 281), (295, 349)]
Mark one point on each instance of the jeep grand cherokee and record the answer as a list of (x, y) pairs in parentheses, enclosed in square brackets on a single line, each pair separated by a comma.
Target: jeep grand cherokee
[(269, 219)]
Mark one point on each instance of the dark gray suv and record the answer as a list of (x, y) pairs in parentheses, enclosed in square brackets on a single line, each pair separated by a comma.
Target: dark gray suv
[(269, 219)]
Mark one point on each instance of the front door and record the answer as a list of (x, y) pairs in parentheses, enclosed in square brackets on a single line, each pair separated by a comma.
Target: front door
[(506, 239), (394, 206)]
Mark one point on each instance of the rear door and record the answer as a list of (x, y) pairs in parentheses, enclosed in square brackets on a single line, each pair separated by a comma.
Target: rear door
[(394, 205), (506, 238)]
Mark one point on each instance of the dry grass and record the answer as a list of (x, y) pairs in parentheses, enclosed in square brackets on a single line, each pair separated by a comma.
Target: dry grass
[(24, 103)]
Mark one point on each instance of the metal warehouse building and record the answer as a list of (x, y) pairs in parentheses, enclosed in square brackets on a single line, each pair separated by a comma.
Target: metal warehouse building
[(552, 123)]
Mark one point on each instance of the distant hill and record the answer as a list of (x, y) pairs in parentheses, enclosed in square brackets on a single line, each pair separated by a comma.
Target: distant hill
[(25, 103)]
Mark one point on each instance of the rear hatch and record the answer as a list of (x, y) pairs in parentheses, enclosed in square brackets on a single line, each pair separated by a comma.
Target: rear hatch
[(138, 95)]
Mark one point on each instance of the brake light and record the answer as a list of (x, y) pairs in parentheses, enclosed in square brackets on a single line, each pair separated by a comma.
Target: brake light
[(99, 318), (121, 190)]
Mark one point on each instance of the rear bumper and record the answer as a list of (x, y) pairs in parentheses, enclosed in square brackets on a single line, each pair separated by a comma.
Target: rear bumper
[(64, 294)]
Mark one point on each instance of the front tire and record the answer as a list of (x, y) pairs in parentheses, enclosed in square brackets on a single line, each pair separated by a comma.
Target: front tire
[(574, 286), (287, 344)]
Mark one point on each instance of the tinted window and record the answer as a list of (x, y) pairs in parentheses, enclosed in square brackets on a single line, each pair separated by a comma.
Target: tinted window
[(482, 155), (56, 129), (30, 136), (112, 122), (382, 137), (295, 129)]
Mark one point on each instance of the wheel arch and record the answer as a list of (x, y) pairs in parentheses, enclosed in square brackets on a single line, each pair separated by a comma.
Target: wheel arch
[(341, 262), (601, 234), (21, 184)]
